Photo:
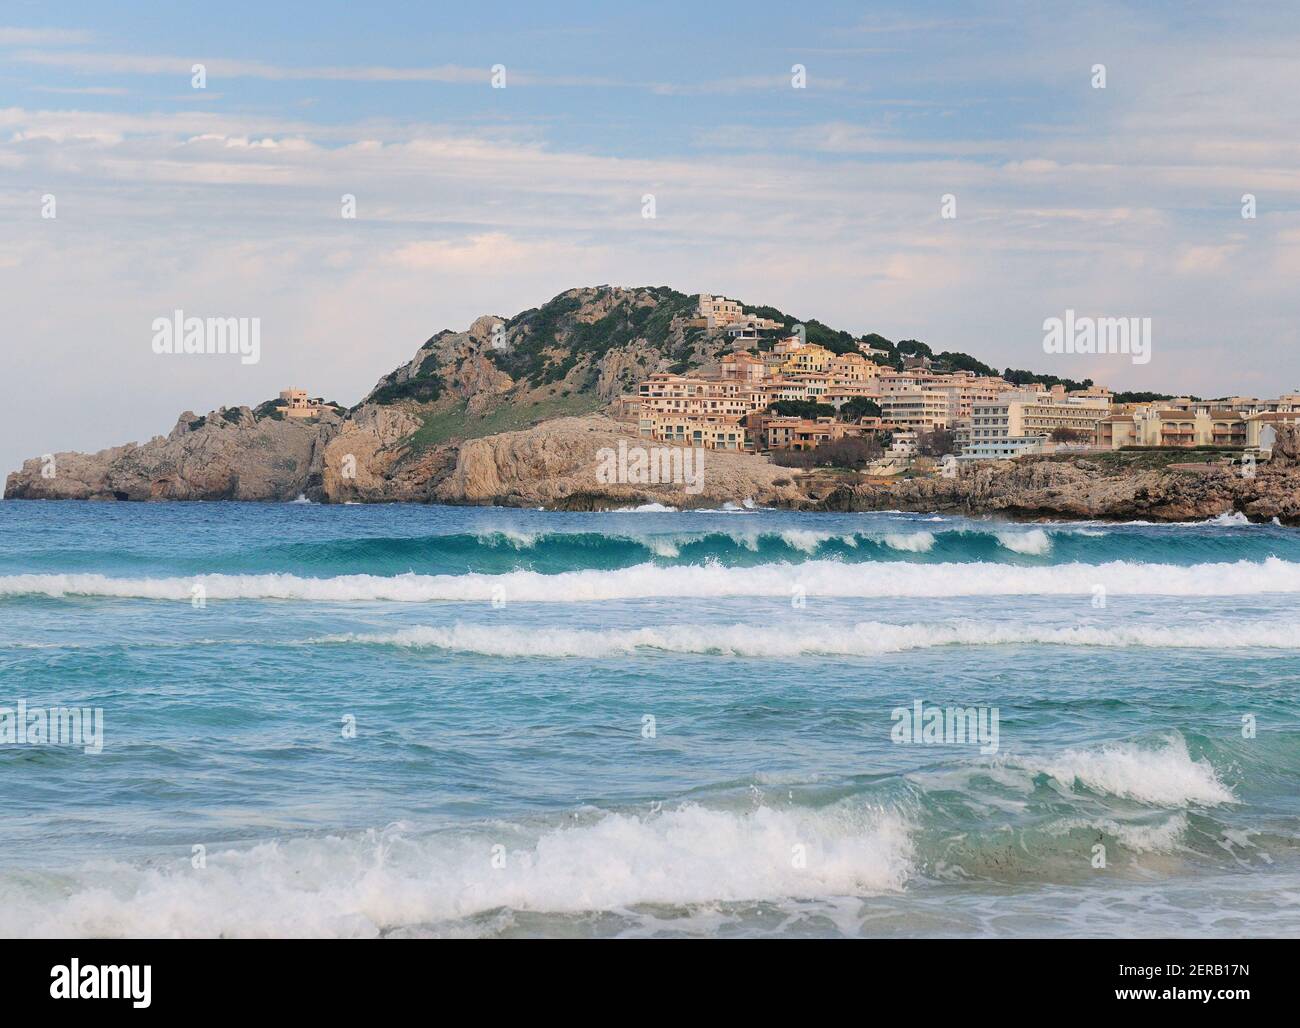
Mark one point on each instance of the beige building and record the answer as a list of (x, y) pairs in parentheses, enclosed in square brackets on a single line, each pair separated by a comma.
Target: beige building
[(1149, 425), (741, 367), (920, 410), (1022, 416), (1261, 428), (711, 433), (719, 312), (295, 404), (778, 433)]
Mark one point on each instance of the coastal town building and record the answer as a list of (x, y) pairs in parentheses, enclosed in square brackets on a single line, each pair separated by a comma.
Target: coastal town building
[(710, 433), (719, 312), (1261, 428), (729, 405), (1161, 426), (920, 411), (295, 404), (787, 433)]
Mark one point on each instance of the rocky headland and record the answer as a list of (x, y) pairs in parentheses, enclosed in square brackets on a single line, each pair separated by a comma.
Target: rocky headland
[(517, 412)]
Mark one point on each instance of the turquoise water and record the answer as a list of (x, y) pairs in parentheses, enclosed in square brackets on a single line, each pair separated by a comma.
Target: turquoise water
[(645, 723)]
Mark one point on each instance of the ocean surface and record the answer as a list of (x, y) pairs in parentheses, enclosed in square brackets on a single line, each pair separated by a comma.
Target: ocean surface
[(429, 721)]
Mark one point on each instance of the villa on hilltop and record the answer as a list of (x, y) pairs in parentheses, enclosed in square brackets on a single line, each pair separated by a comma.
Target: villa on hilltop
[(295, 404)]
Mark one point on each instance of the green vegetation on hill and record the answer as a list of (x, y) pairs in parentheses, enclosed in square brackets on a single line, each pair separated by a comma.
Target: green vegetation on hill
[(955, 361), (425, 387), (455, 421), (1140, 397), (1018, 376), (551, 327)]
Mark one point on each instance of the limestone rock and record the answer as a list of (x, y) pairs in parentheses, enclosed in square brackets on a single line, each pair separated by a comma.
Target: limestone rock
[(556, 464)]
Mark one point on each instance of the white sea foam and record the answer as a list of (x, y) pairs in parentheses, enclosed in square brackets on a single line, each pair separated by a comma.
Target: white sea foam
[(1228, 519), (645, 508), (365, 885), (910, 542), (862, 639), (818, 578), (1166, 776), (1164, 836), (1034, 542), (805, 539), (511, 536)]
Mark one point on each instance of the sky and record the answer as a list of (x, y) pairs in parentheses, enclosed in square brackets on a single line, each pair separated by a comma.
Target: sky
[(824, 200)]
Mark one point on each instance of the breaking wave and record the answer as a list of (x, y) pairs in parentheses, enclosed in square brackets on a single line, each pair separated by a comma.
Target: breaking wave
[(820, 578), (377, 882), (1164, 776), (862, 639)]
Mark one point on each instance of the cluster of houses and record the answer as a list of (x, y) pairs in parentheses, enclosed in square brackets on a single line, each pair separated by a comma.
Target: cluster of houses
[(727, 407)]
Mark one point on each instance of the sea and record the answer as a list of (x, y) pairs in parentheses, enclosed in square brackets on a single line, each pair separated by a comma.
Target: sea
[(423, 721)]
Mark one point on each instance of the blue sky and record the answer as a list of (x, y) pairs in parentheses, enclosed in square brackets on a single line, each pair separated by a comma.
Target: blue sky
[(824, 201)]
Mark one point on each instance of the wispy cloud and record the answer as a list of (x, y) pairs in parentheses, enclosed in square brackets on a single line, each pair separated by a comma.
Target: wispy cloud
[(132, 64), (10, 36), (80, 90)]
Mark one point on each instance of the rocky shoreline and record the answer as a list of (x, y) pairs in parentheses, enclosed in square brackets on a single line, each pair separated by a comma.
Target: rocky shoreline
[(516, 412), (554, 465)]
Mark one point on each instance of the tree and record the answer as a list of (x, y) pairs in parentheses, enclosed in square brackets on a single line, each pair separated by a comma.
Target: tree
[(859, 407), (935, 443), (802, 409), (1062, 434), (849, 452), (956, 361), (1018, 376)]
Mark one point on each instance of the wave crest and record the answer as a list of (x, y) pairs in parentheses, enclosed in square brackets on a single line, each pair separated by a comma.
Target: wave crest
[(648, 581)]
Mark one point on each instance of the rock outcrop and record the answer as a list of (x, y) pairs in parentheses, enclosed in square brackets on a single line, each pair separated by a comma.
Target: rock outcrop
[(1088, 488), (508, 412), (571, 356), (575, 463), (229, 454)]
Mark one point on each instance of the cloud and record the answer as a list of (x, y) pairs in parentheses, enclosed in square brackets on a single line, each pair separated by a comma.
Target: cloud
[(1125, 202), (80, 90), (11, 36), (219, 67)]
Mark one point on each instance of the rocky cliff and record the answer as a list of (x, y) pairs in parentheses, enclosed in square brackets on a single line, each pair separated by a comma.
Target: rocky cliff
[(228, 454), (1108, 486), (560, 464), (408, 439), (509, 411)]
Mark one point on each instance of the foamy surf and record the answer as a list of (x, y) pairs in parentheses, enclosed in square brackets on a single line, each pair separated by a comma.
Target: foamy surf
[(379, 882), (862, 639), (910, 542), (1034, 542), (644, 581), (1166, 775)]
